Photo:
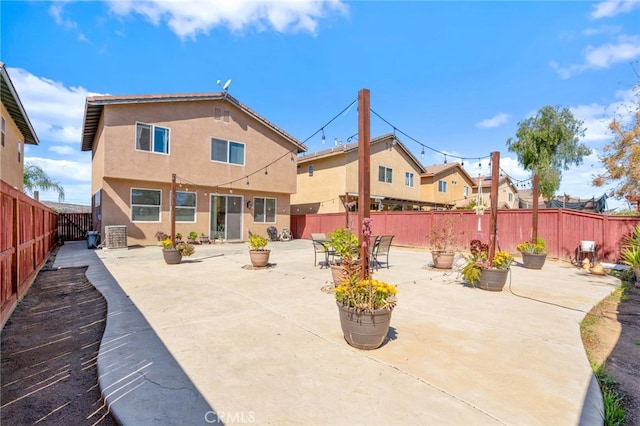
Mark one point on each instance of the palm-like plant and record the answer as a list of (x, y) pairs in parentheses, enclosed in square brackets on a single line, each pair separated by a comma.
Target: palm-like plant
[(34, 178)]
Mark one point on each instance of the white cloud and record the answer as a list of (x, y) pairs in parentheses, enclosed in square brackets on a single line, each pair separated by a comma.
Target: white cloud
[(187, 19), (62, 149), (495, 121), (64, 170), (596, 117), (610, 8), (624, 49), (55, 111)]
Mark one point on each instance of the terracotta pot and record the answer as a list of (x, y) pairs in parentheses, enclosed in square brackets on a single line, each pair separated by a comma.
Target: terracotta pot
[(172, 256), (533, 260), (259, 258), (335, 273), (493, 279), (365, 329), (442, 259)]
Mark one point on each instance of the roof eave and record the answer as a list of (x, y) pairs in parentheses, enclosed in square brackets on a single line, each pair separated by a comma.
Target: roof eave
[(16, 110)]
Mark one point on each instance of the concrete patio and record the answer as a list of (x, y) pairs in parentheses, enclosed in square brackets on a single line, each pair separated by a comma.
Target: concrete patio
[(210, 340)]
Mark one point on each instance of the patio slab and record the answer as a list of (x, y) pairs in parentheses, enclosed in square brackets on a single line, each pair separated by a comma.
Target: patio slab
[(209, 340)]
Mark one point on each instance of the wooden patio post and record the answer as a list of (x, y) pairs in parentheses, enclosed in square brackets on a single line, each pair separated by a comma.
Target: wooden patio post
[(364, 172), (495, 182), (536, 196)]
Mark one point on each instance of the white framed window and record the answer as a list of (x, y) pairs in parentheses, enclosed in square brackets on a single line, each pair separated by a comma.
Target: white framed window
[(511, 196), (185, 206), (442, 186), (466, 191), (145, 205), (385, 174), (264, 210), (311, 170), (3, 129), (408, 179), (227, 151), (152, 138)]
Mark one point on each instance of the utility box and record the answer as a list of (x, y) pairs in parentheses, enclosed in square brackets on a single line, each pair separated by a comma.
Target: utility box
[(116, 236)]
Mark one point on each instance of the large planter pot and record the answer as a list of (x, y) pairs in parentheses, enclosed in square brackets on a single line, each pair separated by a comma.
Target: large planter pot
[(442, 259), (259, 258), (364, 329), (172, 256), (336, 274), (493, 279), (533, 260)]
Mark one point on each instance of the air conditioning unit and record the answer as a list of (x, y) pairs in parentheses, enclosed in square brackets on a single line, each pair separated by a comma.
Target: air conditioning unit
[(116, 237)]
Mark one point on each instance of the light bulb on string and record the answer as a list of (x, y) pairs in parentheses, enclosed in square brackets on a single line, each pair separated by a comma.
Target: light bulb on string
[(395, 139), (445, 159), (266, 171), (422, 153), (323, 138), (293, 160), (247, 180), (463, 162)]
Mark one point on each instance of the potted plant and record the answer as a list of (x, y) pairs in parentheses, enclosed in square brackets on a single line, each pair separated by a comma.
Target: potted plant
[(445, 240), (258, 254), (485, 274), (342, 245), (630, 253), (204, 239), (178, 237), (191, 238), (533, 254), (161, 236), (173, 253), (365, 306)]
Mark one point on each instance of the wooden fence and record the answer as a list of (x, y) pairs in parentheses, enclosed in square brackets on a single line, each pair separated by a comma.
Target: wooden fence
[(563, 229), (28, 233), (74, 226)]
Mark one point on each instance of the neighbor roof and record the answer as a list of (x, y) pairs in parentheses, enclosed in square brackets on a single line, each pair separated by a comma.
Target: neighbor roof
[(95, 104), (11, 102)]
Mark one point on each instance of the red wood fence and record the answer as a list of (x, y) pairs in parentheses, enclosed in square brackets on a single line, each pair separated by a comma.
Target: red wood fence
[(562, 229), (28, 233)]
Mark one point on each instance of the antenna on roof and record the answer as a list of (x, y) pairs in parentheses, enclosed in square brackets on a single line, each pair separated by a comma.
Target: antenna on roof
[(224, 86)]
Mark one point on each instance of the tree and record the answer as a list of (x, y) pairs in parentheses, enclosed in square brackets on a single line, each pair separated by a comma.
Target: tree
[(621, 157), (35, 178), (547, 144)]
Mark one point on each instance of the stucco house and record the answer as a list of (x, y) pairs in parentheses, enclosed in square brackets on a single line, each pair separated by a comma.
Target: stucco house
[(508, 197), (15, 131), (328, 179), (446, 186), (234, 170)]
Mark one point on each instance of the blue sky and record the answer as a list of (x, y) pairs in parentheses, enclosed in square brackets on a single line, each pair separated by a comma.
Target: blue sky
[(455, 76)]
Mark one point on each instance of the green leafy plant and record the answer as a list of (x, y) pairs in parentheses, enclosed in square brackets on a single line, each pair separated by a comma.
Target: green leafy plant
[(479, 260), (178, 236), (343, 242), (185, 249), (257, 242), (193, 235), (539, 247)]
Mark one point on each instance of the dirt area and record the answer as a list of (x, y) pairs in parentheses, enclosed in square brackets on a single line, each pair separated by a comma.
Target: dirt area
[(48, 354), (50, 344), (611, 336)]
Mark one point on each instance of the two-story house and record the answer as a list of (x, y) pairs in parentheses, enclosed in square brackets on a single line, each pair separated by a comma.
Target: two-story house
[(234, 170), (328, 179), (446, 186), (15, 131), (508, 197)]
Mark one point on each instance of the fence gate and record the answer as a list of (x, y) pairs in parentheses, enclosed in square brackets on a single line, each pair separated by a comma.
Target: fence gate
[(74, 226)]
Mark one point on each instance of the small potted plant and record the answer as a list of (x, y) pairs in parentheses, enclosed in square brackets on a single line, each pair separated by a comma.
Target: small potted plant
[(258, 254), (161, 236), (173, 253), (630, 253), (178, 237), (191, 238), (343, 246), (204, 239), (481, 272), (533, 254), (364, 305), (444, 240)]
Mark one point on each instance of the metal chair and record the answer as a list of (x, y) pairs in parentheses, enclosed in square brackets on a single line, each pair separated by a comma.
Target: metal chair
[(381, 248), (320, 247)]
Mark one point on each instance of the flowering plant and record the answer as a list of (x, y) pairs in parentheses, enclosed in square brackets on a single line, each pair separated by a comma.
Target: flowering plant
[(538, 247), (185, 249), (359, 290), (479, 260)]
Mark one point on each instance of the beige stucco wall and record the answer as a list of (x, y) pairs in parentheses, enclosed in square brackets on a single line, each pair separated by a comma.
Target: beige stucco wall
[(455, 192), (321, 192), (11, 170)]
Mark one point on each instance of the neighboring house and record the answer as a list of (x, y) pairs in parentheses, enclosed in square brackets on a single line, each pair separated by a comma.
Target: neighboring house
[(16, 131), (593, 204), (508, 196), (328, 180), (446, 186), (235, 171)]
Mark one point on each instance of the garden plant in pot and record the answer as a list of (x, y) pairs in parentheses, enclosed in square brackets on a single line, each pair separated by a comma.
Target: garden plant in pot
[(364, 305), (192, 237), (344, 247), (258, 254), (630, 252), (444, 240), (485, 274), (533, 254), (173, 253)]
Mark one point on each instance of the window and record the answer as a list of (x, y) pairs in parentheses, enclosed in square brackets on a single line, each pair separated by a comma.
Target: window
[(185, 206), (466, 191), (385, 174), (442, 186), (227, 151), (3, 128), (152, 138), (145, 205), (510, 196), (220, 114), (311, 170), (408, 179), (454, 182), (264, 210)]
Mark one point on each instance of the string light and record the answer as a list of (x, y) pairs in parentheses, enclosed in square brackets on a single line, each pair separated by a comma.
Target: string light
[(422, 153), (323, 138), (445, 159), (266, 171), (247, 180)]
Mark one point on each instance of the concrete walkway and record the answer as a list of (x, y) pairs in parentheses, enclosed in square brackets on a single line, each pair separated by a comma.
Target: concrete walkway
[(210, 340)]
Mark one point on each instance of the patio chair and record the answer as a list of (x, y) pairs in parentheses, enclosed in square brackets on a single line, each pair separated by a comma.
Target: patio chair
[(381, 248), (318, 237), (320, 247)]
